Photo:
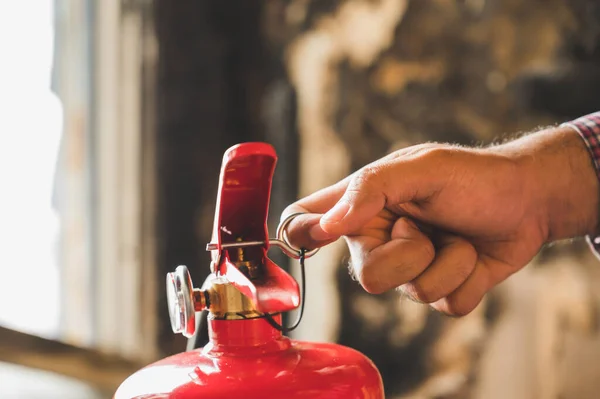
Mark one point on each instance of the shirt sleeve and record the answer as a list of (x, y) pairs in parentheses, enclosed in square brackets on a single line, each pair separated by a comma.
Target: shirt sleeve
[(588, 128)]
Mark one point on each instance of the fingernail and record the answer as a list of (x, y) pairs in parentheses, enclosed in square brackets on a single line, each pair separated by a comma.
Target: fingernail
[(318, 234), (336, 213)]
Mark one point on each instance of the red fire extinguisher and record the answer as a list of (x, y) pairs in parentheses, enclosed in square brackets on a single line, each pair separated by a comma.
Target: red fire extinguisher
[(248, 355)]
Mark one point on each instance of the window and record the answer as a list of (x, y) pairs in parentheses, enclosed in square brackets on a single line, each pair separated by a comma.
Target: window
[(30, 134), (77, 170)]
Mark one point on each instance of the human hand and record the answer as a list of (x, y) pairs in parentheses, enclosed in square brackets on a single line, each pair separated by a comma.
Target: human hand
[(446, 224)]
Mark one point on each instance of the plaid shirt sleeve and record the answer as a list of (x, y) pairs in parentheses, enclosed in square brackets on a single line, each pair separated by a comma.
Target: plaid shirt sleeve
[(588, 128)]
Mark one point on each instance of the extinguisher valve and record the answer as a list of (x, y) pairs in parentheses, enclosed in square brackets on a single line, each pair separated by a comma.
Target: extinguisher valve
[(244, 283)]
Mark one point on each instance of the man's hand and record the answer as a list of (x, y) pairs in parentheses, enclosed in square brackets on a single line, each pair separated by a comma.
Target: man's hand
[(445, 223)]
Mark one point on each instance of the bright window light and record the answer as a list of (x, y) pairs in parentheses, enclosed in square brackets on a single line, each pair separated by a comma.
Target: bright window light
[(30, 131)]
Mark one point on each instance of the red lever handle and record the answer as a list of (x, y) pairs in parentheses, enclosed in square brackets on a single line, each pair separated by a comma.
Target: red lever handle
[(241, 216)]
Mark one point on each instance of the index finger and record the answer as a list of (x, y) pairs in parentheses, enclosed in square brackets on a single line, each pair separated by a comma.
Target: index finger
[(304, 230)]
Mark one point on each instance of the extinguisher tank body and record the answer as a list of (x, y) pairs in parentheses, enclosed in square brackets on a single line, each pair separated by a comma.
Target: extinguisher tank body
[(250, 359), (247, 355)]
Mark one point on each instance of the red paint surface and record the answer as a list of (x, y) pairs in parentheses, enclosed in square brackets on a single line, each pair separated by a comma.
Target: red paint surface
[(250, 359)]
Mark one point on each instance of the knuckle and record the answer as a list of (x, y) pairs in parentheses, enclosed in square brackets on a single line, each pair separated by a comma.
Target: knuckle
[(467, 258), (463, 271), (468, 252), (370, 281), (459, 308), (414, 261), (415, 150), (366, 176), (423, 292), (428, 251), (436, 154)]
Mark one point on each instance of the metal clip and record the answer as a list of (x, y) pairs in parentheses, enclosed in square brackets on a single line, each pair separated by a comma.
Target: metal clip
[(281, 241)]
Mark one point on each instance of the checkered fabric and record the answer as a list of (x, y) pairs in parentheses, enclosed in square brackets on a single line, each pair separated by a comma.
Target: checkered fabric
[(588, 128)]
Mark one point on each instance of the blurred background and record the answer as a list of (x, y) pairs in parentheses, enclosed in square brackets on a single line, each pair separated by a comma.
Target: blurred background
[(114, 116)]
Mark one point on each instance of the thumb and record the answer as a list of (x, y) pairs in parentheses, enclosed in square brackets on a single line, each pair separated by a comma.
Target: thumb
[(406, 177), (363, 199)]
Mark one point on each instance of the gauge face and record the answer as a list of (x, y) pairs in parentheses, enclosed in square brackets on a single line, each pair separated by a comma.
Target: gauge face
[(175, 304), (180, 302)]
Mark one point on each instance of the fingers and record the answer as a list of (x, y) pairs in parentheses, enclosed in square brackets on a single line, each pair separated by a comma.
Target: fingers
[(381, 264), (347, 206), (304, 230), (451, 280), (363, 199), (466, 297), (456, 281), (487, 273), (386, 183), (454, 262)]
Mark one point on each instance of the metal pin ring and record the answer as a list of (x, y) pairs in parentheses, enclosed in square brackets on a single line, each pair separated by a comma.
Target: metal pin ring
[(282, 237)]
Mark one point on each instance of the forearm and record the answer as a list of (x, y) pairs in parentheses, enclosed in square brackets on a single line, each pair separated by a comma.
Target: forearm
[(562, 184)]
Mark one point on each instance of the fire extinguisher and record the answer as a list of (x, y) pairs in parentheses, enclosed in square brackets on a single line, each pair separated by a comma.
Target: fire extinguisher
[(248, 356)]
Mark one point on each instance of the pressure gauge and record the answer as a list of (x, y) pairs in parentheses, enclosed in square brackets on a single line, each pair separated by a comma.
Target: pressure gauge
[(181, 302)]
